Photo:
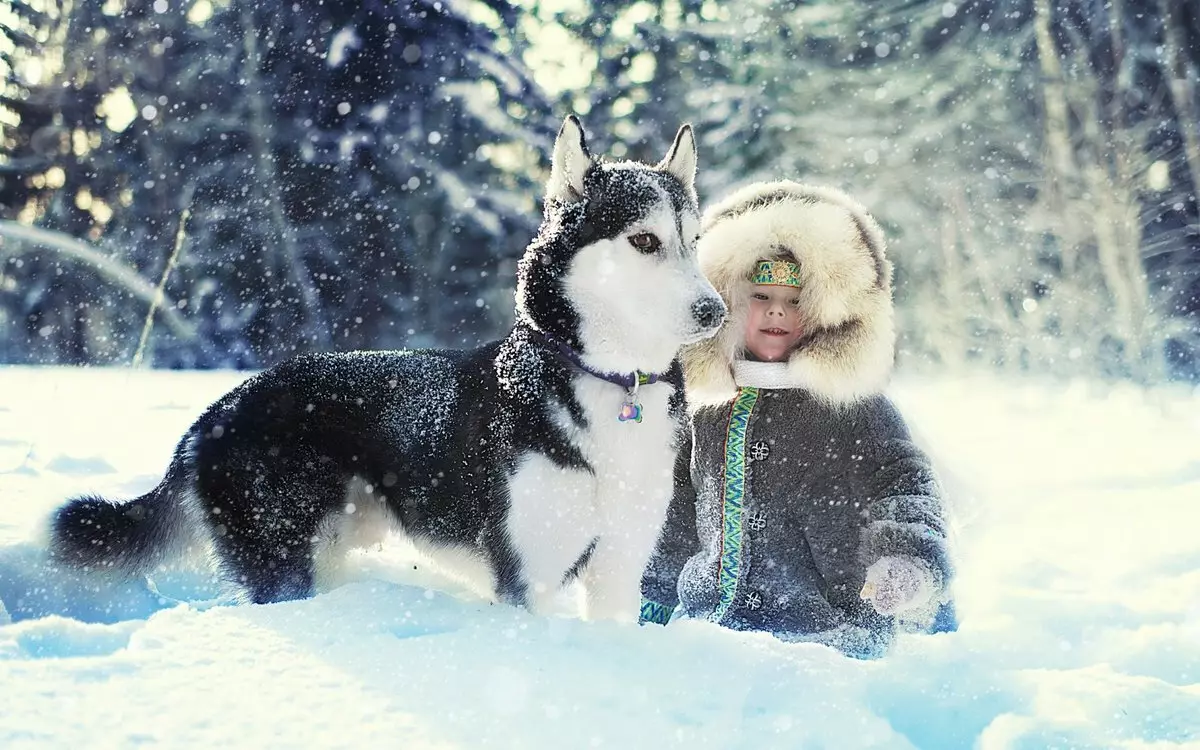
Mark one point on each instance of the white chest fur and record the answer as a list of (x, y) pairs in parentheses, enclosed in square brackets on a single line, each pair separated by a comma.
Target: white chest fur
[(629, 459), (557, 513)]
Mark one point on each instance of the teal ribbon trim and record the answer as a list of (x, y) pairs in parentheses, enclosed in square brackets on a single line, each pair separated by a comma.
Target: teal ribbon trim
[(655, 612), (734, 500)]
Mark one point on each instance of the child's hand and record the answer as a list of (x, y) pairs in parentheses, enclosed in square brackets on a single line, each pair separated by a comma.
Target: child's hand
[(898, 584)]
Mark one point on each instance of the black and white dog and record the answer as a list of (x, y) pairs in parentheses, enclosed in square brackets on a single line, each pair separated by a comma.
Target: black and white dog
[(530, 461)]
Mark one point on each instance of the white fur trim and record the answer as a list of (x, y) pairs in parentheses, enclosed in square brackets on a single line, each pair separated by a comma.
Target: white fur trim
[(763, 375), (845, 299)]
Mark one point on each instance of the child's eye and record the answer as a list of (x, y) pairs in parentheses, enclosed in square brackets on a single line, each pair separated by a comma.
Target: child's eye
[(759, 296), (794, 301)]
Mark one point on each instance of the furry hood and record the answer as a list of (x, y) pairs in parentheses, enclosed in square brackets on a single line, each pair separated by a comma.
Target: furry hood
[(846, 299)]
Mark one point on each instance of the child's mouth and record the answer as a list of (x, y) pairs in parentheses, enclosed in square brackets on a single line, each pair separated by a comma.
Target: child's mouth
[(775, 331)]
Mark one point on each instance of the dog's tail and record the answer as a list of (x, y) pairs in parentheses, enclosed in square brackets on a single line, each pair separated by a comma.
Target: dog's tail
[(125, 538)]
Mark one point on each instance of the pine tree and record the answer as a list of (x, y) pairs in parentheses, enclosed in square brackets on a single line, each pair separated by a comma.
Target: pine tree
[(634, 71), (335, 159)]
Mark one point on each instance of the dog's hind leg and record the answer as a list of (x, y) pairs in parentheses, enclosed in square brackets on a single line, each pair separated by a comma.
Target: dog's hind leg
[(272, 563), (278, 579), (265, 524), (363, 521)]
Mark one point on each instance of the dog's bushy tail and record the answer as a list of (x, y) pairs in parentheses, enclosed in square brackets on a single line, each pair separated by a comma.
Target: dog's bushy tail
[(123, 538)]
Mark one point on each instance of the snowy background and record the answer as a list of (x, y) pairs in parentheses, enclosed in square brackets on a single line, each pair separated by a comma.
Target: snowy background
[(1079, 594)]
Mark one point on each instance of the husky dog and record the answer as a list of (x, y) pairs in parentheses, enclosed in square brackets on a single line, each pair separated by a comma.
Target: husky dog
[(530, 461)]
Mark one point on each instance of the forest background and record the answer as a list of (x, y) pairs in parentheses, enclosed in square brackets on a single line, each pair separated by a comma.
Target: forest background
[(224, 183)]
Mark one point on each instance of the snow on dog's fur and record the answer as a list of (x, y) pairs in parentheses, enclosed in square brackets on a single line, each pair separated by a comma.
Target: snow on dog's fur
[(507, 460)]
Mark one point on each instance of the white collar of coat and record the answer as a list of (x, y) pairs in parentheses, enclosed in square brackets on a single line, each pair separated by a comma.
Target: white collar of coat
[(763, 375)]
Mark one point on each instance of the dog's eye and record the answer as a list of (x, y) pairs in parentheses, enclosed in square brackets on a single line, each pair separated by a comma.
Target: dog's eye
[(645, 242)]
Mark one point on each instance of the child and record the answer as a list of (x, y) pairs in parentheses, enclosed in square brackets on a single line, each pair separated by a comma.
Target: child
[(802, 507)]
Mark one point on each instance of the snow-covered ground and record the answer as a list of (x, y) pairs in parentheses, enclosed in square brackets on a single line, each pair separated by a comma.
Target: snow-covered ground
[(1079, 597)]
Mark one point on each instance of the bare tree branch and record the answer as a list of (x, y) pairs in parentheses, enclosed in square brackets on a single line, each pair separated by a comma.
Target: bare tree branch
[(160, 291), (1058, 138), (107, 266)]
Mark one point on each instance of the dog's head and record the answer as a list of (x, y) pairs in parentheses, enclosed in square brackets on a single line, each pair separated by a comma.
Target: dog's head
[(613, 270)]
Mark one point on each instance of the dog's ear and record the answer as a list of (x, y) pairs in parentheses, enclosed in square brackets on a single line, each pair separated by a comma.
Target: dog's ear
[(570, 163), (681, 159)]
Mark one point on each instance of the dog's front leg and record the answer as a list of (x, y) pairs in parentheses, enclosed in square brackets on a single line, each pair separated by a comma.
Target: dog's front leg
[(632, 515), (613, 576), (550, 523), (612, 583)]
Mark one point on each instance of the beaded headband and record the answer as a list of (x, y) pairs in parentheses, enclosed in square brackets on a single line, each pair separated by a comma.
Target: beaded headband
[(776, 273)]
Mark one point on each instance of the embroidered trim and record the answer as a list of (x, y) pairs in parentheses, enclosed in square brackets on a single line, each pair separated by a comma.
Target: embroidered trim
[(734, 498), (654, 612), (776, 273)]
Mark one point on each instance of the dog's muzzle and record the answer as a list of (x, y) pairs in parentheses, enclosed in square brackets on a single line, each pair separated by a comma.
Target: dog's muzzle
[(709, 312)]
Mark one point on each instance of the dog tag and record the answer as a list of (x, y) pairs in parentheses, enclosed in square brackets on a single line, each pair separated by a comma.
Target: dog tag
[(630, 412)]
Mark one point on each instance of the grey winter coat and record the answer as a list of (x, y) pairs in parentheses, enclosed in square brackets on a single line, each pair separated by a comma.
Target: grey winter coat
[(826, 492), (797, 476)]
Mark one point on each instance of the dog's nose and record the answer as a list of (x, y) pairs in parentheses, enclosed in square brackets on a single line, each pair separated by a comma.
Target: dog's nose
[(709, 312)]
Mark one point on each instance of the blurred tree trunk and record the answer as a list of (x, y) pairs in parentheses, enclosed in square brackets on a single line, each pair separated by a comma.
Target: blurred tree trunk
[(268, 187), (1092, 184), (1184, 81)]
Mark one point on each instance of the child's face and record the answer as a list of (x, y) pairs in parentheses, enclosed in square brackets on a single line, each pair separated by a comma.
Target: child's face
[(773, 325)]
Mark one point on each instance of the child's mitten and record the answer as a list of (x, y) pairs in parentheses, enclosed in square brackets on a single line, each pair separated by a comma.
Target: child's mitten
[(899, 583)]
